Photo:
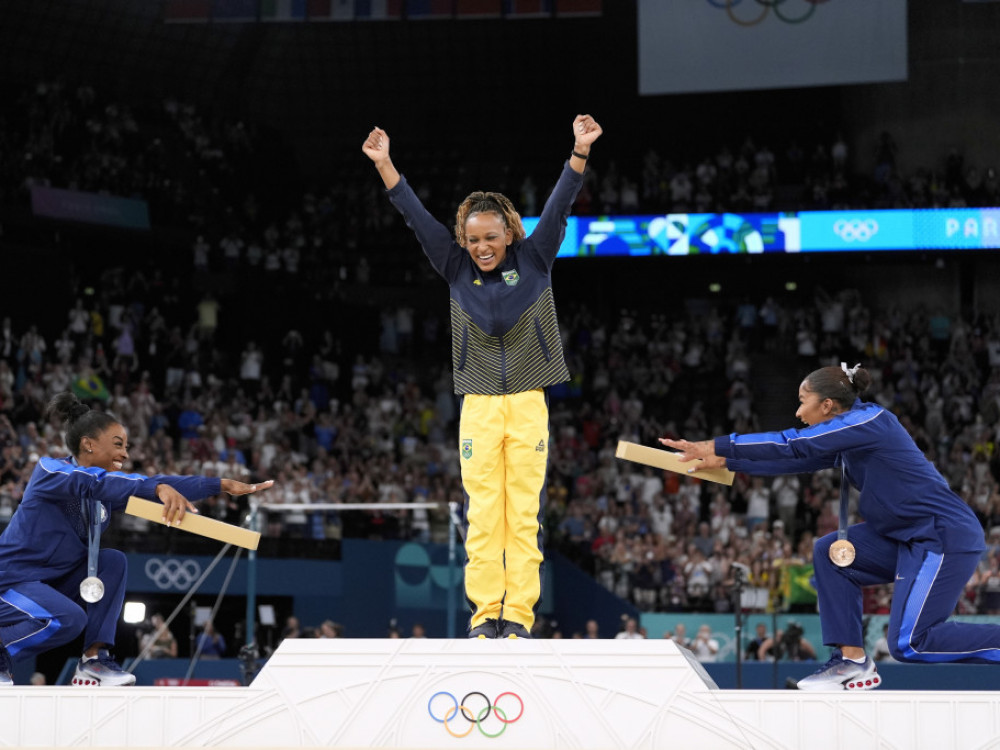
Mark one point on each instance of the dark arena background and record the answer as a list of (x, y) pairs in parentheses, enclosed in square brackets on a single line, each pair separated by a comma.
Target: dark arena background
[(191, 236)]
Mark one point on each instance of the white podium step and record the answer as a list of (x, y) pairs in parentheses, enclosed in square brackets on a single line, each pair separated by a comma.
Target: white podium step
[(410, 693)]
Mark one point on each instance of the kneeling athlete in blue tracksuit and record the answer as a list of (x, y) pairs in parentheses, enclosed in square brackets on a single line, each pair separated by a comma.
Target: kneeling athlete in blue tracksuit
[(44, 550), (917, 533)]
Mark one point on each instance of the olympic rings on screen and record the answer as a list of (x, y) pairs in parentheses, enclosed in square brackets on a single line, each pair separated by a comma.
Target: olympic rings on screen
[(475, 717), (767, 6), (855, 230), (176, 574)]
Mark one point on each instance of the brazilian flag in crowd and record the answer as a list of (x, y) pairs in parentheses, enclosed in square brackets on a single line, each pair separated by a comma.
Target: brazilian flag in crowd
[(90, 387), (797, 586)]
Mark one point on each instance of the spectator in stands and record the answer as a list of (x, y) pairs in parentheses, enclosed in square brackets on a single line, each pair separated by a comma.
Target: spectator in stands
[(917, 531), (680, 635), (159, 643), (789, 644), (630, 630), (292, 629), (705, 647), (45, 551), (210, 644), (504, 418), (752, 651), (330, 629)]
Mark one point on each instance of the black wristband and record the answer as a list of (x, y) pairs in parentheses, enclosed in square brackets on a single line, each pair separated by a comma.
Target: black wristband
[(580, 156)]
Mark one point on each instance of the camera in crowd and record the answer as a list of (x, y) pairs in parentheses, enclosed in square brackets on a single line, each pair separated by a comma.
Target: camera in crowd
[(790, 645)]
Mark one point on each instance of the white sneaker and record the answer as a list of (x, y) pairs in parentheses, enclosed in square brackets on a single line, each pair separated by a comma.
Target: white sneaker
[(102, 670), (842, 674)]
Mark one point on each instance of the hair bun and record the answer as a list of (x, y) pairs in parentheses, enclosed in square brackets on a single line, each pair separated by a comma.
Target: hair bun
[(77, 410)]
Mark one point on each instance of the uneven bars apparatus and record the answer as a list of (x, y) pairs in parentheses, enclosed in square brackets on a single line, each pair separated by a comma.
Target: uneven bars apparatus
[(249, 538), (256, 507), (195, 523)]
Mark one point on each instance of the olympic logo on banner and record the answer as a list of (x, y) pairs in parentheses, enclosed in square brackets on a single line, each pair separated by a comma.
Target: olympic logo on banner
[(172, 574), (767, 6), (475, 716), (855, 230)]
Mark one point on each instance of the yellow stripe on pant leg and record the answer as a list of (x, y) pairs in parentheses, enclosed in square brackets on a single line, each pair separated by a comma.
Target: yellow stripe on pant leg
[(481, 451), (526, 456)]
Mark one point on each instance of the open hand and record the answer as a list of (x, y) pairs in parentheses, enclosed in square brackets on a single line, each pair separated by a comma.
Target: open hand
[(237, 488), (703, 451)]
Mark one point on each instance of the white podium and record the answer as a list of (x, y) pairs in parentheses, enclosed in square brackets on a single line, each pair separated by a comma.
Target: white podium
[(431, 693)]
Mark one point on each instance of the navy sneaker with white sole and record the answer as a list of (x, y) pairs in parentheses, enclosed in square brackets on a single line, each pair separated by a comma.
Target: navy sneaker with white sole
[(842, 674), (101, 671)]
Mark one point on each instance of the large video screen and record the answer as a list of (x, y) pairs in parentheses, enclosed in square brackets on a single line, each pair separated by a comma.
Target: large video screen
[(726, 45), (790, 232)]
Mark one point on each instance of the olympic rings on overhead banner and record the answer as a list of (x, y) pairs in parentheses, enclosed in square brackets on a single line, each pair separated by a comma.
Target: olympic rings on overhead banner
[(855, 230), (474, 716), (172, 574), (767, 5)]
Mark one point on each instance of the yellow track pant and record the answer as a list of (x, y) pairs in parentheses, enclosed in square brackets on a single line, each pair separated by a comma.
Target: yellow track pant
[(504, 451)]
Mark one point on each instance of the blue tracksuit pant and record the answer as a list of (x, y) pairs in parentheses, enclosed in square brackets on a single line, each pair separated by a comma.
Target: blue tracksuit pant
[(36, 616), (928, 585)]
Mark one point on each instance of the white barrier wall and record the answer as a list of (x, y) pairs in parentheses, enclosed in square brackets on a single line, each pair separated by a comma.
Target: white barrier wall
[(358, 693)]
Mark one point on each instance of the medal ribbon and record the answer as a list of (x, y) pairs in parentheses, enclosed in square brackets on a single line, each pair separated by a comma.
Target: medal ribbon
[(93, 520), (845, 493)]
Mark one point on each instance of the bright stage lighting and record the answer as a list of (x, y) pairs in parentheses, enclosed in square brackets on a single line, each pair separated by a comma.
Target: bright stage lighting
[(134, 612)]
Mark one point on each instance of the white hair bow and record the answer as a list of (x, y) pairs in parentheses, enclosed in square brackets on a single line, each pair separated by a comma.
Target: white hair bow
[(850, 370)]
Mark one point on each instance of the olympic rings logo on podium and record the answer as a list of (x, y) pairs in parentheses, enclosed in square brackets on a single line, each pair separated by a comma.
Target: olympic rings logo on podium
[(476, 717), (766, 7), (855, 230)]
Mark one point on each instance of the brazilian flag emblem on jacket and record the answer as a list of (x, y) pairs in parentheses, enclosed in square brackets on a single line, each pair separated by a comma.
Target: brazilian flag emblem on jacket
[(466, 449), (510, 278)]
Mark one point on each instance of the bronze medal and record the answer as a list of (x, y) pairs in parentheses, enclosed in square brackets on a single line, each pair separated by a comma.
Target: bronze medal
[(842, 553)]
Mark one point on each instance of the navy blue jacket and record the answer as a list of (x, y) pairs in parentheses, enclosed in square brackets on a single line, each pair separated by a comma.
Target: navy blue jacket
[(47, 536), (902, 495), (505, 335)]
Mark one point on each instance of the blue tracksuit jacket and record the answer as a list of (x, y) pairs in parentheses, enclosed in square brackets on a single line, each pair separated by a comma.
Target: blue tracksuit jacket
[(505, 336), (917, 533), (902, 495), (47, 536)]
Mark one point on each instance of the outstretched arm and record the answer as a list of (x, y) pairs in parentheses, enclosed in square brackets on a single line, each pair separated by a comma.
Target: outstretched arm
[(586, 131), (707, 451), (376, 148), (703, 449), (175, 505)]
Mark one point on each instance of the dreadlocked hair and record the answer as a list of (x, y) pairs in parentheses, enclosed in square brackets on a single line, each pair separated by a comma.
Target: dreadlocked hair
[(488, 203)]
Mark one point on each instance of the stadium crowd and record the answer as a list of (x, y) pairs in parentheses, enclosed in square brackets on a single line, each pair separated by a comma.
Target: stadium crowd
[(362, 410)]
